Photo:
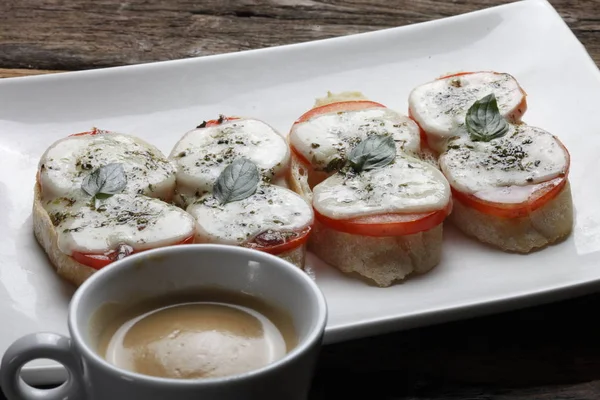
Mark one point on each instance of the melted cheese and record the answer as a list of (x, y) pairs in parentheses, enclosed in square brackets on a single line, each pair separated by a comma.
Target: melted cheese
[(325, 139), (406, 186), (440, 107), (123, 219), (507, 169), (270, 208), (68, 161), (202, 154)]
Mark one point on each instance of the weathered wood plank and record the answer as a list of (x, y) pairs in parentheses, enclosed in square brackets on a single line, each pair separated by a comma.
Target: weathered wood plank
[(55, 34), (18, 72)]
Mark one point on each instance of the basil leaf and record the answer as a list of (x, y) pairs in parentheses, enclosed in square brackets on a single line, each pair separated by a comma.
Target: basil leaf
[(238, 181), (484, 121), (105, 181), (373, 152)]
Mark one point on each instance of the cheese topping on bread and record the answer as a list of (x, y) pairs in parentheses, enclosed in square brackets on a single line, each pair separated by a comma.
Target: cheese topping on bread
[(271, 210), (325, 139), (97, 227), (440, 107), (515, 163), (68, 161), (408, 185), (203, 153)]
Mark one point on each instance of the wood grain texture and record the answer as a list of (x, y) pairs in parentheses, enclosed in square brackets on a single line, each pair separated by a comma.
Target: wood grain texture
[(73, 35), (547, 352), (17, 72)]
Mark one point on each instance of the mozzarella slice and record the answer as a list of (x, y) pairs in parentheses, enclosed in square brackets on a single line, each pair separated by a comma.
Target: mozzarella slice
[(68, 161), (408, 185), (203, 153), (325, 139), (440, 107), (507, 169), (123, 219), (272, 210)]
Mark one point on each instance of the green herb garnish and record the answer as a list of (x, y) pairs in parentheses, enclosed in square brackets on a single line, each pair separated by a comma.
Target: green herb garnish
[(237, 182), (373, 152), (105, 181), (484, 121)]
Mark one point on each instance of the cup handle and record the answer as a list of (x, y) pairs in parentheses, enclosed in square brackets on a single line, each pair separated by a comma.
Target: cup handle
[(41, 345)]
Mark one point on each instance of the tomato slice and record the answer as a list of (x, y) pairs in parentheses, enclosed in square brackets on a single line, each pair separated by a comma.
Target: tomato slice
[(216, 122), (521, 108), (387, 224), (99, 261), (461, 74), (340, 106), (94, 131), (541, 196), (274, 243)]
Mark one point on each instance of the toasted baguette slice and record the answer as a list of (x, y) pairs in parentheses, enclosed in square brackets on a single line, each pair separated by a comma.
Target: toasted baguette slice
[(301, 177), (273, 219), (203, 153), (399, 237), (546, 225), (140, 221), (381, 260), (45, 233), (299, 173)]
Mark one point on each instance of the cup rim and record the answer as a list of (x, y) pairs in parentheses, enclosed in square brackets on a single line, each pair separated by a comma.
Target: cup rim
[(314, 335)]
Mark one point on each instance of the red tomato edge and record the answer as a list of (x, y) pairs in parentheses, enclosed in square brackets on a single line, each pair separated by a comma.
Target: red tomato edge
[(425, 221), (286, 246), (523, 209), (99, 261), (216, 122)]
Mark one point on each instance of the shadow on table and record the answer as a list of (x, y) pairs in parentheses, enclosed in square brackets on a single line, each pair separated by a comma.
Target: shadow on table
[(544, 352)]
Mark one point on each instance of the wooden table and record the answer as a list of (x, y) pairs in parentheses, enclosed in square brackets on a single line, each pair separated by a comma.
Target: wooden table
[(547, 352)]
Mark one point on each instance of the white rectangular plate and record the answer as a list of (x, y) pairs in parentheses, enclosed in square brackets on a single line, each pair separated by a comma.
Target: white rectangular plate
[(160, 102)]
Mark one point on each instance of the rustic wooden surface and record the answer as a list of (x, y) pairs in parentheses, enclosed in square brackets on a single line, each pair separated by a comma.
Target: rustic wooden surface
[(83, 34), (546, 352)]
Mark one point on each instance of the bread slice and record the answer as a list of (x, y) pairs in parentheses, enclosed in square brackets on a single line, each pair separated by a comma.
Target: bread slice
[(302, 178), (381, 260), (45, 233), (125, 212), (546, 225), (295, 256)]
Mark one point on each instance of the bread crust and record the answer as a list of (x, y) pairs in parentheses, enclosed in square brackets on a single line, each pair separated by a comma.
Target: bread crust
[(296, 256), (45, 233), (381, 260), (544, 226)]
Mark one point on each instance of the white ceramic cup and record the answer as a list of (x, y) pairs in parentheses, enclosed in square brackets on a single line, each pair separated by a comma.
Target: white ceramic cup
[(159, 272)]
